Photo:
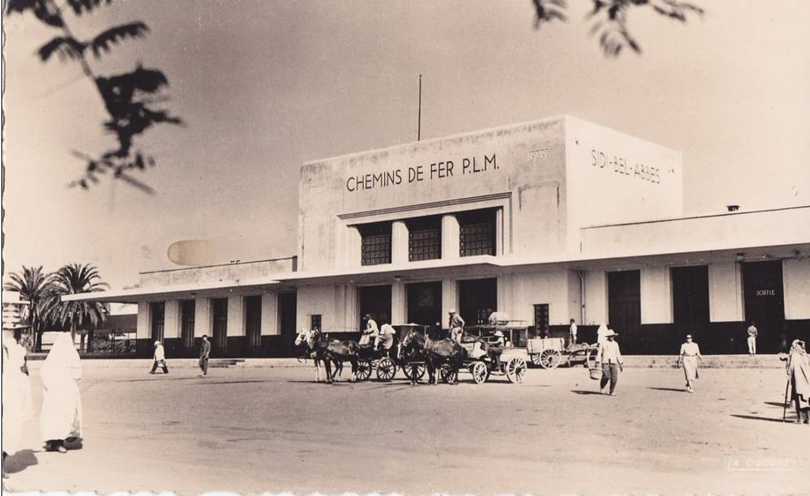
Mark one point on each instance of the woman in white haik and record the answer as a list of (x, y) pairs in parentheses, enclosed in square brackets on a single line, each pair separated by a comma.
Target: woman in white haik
[(16, 394), (688, 359), (61, 402)]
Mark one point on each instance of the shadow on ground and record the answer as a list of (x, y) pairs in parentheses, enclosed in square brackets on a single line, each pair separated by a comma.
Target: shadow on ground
[(767, 419), (673, 390)]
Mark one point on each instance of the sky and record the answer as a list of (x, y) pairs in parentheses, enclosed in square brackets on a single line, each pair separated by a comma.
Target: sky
[(264, 86)]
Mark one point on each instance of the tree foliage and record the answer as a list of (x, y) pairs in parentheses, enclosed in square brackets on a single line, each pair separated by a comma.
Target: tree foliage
[(609, 18), (131, 99), (75, 315)]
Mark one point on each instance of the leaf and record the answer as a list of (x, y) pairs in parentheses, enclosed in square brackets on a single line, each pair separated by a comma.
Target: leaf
[(113, 36), (81, 6), (45, 13), (66, 47), (19, 6), (549, 10)]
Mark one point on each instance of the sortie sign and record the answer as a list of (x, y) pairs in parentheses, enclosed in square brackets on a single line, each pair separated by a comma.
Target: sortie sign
[(444, 169)]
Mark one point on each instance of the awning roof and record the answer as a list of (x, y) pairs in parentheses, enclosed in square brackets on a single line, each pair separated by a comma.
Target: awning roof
[(457, 268)]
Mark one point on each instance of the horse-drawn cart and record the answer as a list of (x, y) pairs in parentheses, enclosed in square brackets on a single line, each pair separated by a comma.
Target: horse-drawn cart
[(550, 353), (482, 362)]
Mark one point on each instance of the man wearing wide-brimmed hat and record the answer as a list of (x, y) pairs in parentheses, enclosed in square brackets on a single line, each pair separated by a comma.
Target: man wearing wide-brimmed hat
[(610, 357), (159, 358), (799, 376)]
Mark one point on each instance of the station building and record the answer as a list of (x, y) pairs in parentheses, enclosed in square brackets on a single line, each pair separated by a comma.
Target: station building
[(546, 221)]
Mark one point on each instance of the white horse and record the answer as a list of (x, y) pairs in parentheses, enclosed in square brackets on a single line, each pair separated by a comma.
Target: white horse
[(311, 338)]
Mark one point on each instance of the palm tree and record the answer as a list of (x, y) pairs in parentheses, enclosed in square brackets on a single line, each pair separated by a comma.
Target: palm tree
[(74, 279), (34, 286)]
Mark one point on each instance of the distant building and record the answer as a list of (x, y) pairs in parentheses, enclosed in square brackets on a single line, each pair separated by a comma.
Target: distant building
[(15, 311), (546, 221)]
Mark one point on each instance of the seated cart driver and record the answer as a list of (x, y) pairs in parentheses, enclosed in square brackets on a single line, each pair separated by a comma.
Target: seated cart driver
[(456, 326), (496, 346), (386, 337), (370, 332)]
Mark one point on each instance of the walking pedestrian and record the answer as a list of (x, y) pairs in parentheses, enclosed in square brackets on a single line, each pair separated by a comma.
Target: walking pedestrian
[(456, 325), (752, 338), (159, 359), (61, 419), (16, 394), (205, 352), (688, 359), (799, 376), (610, 357), (572, 332)]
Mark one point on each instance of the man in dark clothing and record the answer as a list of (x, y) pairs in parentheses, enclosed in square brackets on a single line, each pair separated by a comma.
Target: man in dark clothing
[(205, 352)]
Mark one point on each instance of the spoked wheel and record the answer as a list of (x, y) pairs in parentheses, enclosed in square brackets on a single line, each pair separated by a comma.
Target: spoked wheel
[(550, 359), (363, 370), (515, 370), (537, 359), (386, 369), (420, 371), (480, 372), (448, 374)]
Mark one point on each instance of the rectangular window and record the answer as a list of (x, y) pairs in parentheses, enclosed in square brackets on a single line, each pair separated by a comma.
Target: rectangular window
[(156, 309), (540, 319), (187, 310), (315, 322), (376, 243), (425, 238), (477, 232)]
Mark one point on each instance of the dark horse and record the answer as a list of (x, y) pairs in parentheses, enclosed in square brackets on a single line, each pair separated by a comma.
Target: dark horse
[(444, 354), (323, 350)]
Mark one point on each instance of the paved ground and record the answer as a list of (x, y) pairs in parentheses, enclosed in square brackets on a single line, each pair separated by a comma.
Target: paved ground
[(272, 429)]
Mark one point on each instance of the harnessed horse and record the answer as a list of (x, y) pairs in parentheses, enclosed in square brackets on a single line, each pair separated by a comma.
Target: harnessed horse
[(329, 351), (440, 353)]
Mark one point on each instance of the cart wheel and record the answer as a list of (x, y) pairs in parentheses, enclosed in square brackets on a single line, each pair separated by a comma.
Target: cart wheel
[(515, 370), (386, 369), (448, 375), (363, 370), (550, 359), (480, 372), (420, 371), (536, 360)]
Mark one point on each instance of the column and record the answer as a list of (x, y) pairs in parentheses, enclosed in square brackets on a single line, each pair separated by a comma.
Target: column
[(656, 296), (236, 318), (505, 298), (171, 319), (451, 237), (353, 247), (398, 303), (202, 317), (796, 286), (399, 242), (270, 315), (143, 331), (596, 298), (449, 299), (725, 292)]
